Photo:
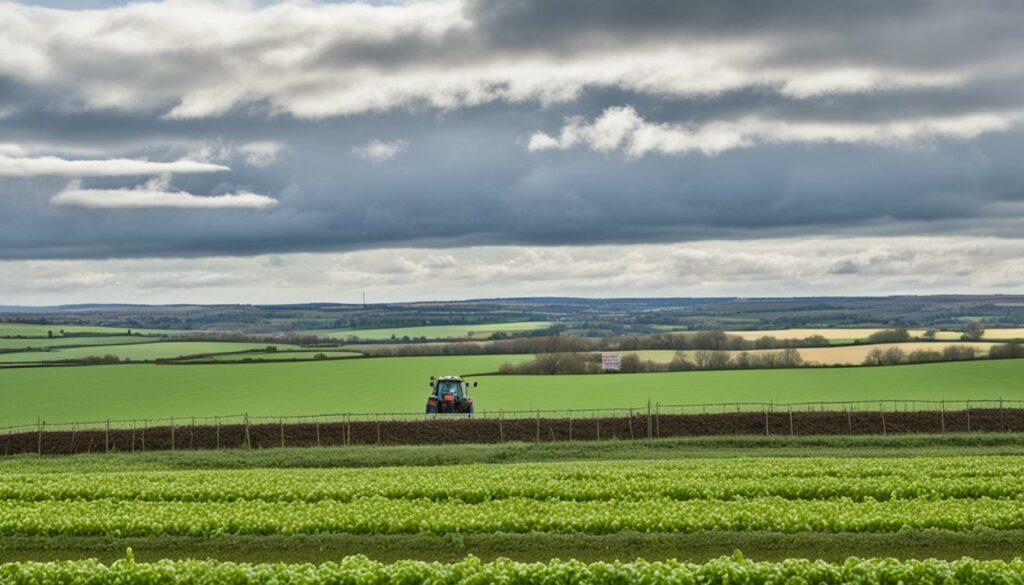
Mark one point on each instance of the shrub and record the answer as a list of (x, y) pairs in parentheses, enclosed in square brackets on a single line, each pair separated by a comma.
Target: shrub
[(920, 356), (973, 330), (955, 353), (895, 335), (884, 357), (106, 359), (1006, 350)]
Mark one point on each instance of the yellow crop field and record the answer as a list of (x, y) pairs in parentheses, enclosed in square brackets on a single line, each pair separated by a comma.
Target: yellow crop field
[(834, 333), (832, 356)]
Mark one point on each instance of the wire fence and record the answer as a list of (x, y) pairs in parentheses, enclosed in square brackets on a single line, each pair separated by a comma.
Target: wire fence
[(651, 420)]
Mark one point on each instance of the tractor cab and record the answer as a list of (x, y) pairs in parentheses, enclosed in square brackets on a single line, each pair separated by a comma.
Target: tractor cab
[(449, 395)]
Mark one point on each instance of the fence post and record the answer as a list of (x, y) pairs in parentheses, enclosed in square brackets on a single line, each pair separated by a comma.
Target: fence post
[(631, 437), (881, 408), (501, 426), (1001, 427), (942, 415), (172, 433), (216, 421), (248, 442), (766, 421), (650, 431), (378, 431), (106, 438), (145, 424), (657, 417), (317, 432), (968, 416), (538, 425), (133, 435), (849, 419), (570, 425), (280, 420), (790, 407), (71, 449), (191, 434), (598, 419), (39, 446)]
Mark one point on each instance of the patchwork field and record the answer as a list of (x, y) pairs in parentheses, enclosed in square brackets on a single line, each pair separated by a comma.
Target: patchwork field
[(33, 330), (400, 385), (36, 343), (850, 335), (837, 355), (281, 355), (136, 352), (434, 331)]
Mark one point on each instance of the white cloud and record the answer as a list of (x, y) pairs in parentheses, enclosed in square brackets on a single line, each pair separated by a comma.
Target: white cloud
[(623, 129), (155, 194), (773, 267), (189, 59), (379, 151), (11, 149), (261, 154), (12, 165)]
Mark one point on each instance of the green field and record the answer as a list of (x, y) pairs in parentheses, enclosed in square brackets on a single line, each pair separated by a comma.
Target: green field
[(269, 506), (434, 331), (26, 343), (281, 355), (400, 385), (137, 352), (32, 330), (160, 391)]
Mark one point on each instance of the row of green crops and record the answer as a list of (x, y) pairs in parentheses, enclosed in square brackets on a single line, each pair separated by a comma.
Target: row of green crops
[(362, 571), (931, 478), (822, 495), (374, 515)]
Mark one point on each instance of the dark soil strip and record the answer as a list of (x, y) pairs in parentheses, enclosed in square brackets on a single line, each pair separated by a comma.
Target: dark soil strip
[(478, 430), (624, 546)]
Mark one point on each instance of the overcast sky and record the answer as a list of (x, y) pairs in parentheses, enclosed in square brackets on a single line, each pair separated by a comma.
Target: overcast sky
[(238, 151)]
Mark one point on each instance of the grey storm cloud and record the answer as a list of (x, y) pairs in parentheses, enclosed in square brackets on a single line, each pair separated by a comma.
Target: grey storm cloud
[(336, 127)]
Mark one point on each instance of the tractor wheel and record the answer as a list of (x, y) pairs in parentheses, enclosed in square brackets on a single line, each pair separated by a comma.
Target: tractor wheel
[(432, 406)]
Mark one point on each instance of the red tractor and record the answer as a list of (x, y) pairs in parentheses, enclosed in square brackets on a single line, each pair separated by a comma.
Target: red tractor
[(450, 396)]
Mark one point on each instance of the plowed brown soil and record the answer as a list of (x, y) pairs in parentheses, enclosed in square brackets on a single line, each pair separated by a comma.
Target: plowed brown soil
[(435, 432)]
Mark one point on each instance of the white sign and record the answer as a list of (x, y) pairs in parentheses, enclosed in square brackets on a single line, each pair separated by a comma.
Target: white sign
[(611, 361)]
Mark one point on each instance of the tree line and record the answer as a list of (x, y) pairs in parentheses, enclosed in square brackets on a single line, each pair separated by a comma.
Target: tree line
[(631, 363)]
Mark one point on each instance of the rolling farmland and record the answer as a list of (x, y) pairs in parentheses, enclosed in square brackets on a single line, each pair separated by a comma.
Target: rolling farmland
[(71, 331), (844, 335), (400, 385), (137, 352), (248, 499), (832, 356), (159, 391), (37, 343), (434, 331)]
